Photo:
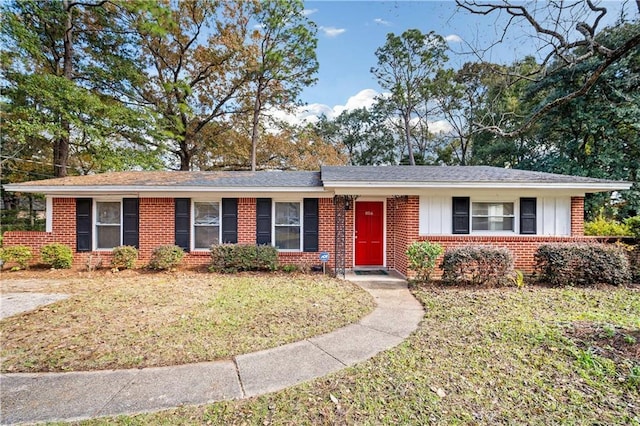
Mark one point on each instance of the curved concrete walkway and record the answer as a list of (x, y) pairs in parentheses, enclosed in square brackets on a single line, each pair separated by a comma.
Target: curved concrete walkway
[(27, 398)]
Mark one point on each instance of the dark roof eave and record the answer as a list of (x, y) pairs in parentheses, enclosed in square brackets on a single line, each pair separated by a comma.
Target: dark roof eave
[(587, 186)]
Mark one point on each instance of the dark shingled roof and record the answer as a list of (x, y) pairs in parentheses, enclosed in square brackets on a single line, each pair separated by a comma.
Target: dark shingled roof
[(231, 179), (330, 176), (463, 174)]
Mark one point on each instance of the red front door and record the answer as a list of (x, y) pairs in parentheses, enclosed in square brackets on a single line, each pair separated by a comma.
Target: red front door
[(369, 233)]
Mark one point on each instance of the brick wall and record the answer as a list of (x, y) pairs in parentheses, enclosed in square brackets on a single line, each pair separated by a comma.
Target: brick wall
[(326, 235), (522, 248), (402, 229), (577, 216), (246, 221), (63, 230), (157, 228), (156, 225), (405, 213)]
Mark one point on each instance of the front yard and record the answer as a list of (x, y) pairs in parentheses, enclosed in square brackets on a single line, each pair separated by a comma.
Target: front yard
[(131, 320), (506, 356)]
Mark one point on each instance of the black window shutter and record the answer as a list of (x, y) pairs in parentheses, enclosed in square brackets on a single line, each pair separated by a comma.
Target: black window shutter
[(461, 215), (84, 224), (310, 233), (183, 223), (263, 221), (528, 220), (130, 214), (230, 220)]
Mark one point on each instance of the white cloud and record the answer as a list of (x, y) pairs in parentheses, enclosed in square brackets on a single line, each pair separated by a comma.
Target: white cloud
[(308, 12), (332, 31), (381, 22), (312, 112), (440, 126), (363, 99), (453, 38)]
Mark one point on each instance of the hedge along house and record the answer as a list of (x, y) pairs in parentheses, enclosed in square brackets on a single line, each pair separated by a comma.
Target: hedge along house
[(363, 216)]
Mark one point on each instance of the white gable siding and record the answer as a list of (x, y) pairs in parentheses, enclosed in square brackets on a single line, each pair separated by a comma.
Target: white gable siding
[(553, 212), (554, 216), (435, 215), (48, 218)]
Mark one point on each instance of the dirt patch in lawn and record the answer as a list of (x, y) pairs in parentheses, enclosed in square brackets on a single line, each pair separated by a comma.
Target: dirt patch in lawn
[(607, 340), (129, 320)]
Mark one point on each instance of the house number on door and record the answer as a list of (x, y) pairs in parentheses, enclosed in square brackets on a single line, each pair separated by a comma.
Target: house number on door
[(368, 213)]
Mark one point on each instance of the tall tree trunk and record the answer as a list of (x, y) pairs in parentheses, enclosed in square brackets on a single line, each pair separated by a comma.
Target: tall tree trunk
[(61, 148), (185, 157), (407, 136), (257, 106)]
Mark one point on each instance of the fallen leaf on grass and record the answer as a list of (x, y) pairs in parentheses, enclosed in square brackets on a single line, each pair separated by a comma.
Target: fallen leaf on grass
[(438, 391)]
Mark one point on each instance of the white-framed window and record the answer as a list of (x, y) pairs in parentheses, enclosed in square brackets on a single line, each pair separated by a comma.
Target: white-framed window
[(492, 216), (108, 222), (206, 224), (288, 225)]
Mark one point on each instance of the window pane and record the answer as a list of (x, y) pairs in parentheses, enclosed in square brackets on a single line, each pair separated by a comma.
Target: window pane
[(501, 224), (288, 237), (507, 209), (206, 236), (108, 213), (287, 214), (480, 209), (480, 223), (492, 217), (108, 236), (206, 214)]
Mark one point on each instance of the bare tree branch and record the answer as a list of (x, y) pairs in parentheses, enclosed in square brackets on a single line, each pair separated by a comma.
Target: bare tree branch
[(571, 37), (583, 90)]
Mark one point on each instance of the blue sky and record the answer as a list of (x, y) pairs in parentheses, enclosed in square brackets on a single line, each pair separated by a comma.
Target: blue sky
[(349, 32)]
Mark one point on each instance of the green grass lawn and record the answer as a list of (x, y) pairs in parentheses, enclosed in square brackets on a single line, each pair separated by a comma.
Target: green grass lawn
[(114, 321), (501, 356)]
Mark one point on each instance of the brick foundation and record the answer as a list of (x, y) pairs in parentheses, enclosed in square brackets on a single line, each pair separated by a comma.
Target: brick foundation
[(156, 228), (522, 248)]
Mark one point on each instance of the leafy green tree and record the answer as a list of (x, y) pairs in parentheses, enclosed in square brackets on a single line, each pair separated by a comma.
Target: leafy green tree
[(195, 63), (282, 62), (507, 101), (598, 135), (406, 67), (53, 105), (366, 138), (568, 34), (463, 97)]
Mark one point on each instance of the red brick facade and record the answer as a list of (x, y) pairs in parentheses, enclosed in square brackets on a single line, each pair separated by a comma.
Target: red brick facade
[(156, 227), (577, 216), (402, 229)]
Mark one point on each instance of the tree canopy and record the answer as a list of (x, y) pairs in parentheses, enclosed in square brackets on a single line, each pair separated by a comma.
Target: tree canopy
[(107, 85)]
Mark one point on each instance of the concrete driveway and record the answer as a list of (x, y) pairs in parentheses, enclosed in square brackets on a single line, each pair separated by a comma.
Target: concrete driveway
[(15, 303)]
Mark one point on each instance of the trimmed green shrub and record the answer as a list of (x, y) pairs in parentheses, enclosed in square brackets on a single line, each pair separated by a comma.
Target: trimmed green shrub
[(582, 264), (167, 257), (19, 255), (124, 257), (633, 224), (477, 266), (633, 255), (422, 257), (243, 257), (606, 227), (56, 255), (289, 268)]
